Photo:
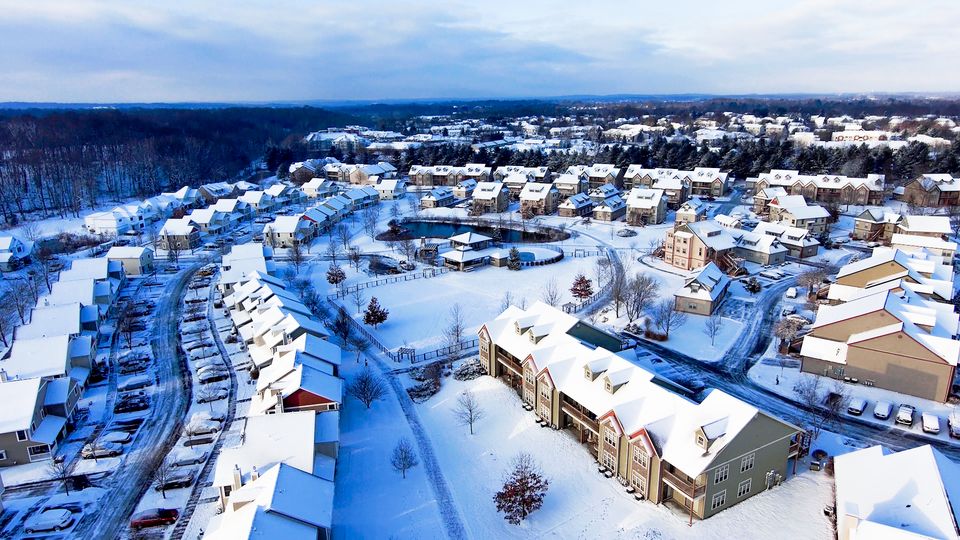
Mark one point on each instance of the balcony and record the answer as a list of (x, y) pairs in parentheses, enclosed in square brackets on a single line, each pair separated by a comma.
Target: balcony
[(682, 485), (509, 363), (580, 417), (794, 449)]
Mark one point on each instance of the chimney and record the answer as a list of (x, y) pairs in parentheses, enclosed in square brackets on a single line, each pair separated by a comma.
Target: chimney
[(254, 474), (3, 376), (237, 478)]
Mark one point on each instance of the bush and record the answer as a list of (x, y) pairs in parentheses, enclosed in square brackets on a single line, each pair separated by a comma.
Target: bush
[(469, 370), (423, 391)]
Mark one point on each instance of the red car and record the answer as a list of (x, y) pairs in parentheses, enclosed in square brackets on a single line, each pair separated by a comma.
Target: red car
[(154, 517)]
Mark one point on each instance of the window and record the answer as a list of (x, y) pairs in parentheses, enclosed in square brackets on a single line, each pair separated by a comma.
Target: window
[(610, 437), (721, 474), (640, 483), (718, 500), (747, 462), (22, 435), (39, 449), (640, 456), (609, 461), (744, 487), (3, 455)]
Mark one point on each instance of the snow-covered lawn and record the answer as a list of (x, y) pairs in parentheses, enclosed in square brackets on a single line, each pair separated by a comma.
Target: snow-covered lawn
[(419, 309), (371, 499), (768, 371), (690, 339), (582, 503)]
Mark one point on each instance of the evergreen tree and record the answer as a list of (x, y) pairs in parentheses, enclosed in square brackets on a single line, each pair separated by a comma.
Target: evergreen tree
[(335, 274), (582, 287), (513, 259), (375, 314)]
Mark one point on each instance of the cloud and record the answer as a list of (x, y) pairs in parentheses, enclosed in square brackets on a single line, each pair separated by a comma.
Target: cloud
[(90, 50)]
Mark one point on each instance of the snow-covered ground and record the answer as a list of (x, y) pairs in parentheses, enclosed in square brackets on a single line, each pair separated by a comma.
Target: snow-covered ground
[(582, 503)]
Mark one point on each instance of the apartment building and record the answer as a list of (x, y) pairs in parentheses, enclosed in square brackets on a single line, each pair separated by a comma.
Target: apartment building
[(539, 199), (922, 273), (646, 206), (491, 197), (932, 190), (693, 245), (663, 448), (800, 242), (824, 188), (893, 340), (438, 197), (875, 225), (448, 175), (576, 205), (569, 184), (598, 174), (692, 211), (674, 182), (762, 198), (702, 293), (793, 211)]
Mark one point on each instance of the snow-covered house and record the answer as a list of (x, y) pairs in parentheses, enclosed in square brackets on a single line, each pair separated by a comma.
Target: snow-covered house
[(241, 264), (491, 197), (261, 201), (235, 210), (932, 226), (340, 205), (464, 188), (447, 175), (209, 220), (362, 197), (793, 211), (532, 174), (908, 495), (937, 246), (187, 196), (14, 252), (287, 231), (284, 195), (280, 502), (932, 190), (799, 242), (50, 357), (69, 319), (539, 199), (693, 245), (702, 293), (576, 205), (707, 182), (762, 198), (646, 206), (30, 428), (671, 181), (214, 191), (830, 188), (438, 197), (180, 234), (893, 339), (120, 220), (569, 184), (297, 382), (692, 211), (893, 269), (702, 457), (390, 189), (318, 188)]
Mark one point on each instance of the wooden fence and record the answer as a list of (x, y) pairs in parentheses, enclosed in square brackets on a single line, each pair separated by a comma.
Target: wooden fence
[(423, 274)]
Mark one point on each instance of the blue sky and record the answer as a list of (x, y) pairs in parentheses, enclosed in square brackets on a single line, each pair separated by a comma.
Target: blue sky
[(98, 51)]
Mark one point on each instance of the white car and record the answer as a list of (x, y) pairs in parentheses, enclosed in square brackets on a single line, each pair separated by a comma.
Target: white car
[(189, 458), (217, 417), (202, 427), (212, 368), (56, 519)]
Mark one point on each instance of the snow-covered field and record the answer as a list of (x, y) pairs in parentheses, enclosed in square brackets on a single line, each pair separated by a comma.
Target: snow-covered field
[(582, 503)]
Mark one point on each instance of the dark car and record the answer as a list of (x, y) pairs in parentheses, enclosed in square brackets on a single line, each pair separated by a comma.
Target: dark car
[(131, 405), (155, 517), (176, 481)]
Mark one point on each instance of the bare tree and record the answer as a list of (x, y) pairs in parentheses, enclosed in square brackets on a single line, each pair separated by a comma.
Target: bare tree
[(413, 205), (619, 287), (358, 299), (786, 331), (601, 269), (712, 327), (468, 410), (824, 406), (165, 472), (506, 301), (666, 316), (550, 292), (208, 394), (456, 328), (297, 256), (371, 218), (359, 344), (343, 235), (408, 248), (127, 322), (30, 230), (333, 251), (639, 295), (59, 471), (810, 279), (8, 316), (354, 257), (20, 295), (404, 457), (522, 303), (367, 387), (173, 253)]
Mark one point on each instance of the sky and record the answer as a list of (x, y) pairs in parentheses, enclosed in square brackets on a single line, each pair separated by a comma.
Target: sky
[(277, 50)]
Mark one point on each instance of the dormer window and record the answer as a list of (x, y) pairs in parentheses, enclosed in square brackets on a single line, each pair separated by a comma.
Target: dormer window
[(701, 441), (608, 386)]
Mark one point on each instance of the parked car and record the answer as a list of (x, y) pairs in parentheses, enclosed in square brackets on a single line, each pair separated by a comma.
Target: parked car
[(905, 415), (207, 415), (131, 405), (930, 423), (791, 292), (129, 368), (189, 458), (57, 519), (176, 481), (856, 406), (882, 410), (212, 367), (216, 395), (789, 310), (155, 517), (135, 383), (953, 425), (119, 437), (213, 376), (100, 450), (202, 427)]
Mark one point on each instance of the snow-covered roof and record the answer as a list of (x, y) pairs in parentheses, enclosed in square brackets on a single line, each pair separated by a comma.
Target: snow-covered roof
[(287, 224), (577, 200), (19, 403), (567, 180), (787, 235), (912, 240), (787, 178), (708, 284), (926, 224), (912, 494), (788, 201), (644, 198), (535, 191), (289, 492), (126, 252), (487, 190), (254, 522), (469, 238), (47, 356), (463, 254), (52, 320), (177, 227), (267, 440), (439, 193)]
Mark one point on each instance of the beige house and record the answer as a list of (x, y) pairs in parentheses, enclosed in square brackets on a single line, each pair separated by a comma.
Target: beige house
[(693, 245), (646, 206), (464, 188), (825, 188), (762, 198), (932, 190), (448, 175), (287, 231), (491, 197), (896, 270), (179, 233), (897, 341), (672, 181), (793, 211), (569, 185), (539, 199), (701, 458), (707, 182), (702, 293), (875, 225), (438, 197), (136, 261), (533, 174), (691, 211), (576, 205), (914, 243)]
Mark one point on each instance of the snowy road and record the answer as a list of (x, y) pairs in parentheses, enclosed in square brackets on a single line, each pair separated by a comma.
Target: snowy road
[(170, 401)]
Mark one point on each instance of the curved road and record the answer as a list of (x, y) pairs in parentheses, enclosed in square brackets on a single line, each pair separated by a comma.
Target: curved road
[(170, 399)]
